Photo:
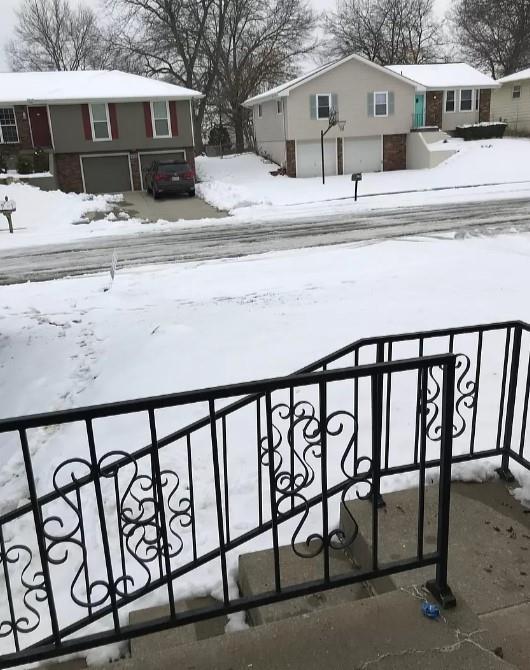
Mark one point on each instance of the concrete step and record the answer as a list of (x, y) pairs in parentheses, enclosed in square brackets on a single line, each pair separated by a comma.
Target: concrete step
[(512, 627), (256, 575), (202, 630), (489, 545), (387, 632)]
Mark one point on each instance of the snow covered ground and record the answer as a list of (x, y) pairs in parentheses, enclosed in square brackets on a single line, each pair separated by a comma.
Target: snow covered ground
[(157, 330), (242, 184)]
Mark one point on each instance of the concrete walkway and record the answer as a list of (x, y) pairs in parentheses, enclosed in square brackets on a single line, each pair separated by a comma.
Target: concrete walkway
[(170, 208)]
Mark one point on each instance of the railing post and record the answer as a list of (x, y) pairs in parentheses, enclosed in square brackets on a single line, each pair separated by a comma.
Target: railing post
[(439, 586), (377, 406), (504, 471)]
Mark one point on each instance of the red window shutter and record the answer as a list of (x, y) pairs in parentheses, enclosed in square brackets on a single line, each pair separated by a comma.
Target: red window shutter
[(87, 126), (148, 121), (113, 121), (173, 117)]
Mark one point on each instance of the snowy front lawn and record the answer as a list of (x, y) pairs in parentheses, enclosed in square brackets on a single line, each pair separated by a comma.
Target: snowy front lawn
[(157, 330), (243, 184)]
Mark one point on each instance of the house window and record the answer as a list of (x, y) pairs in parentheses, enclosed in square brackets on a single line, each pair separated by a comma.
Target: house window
[(8, 126), (450, 101), (381, 103), (99, 117), (260, 111), (279, 106), (466, 100), (160, 116), (516, 92), (323, 106)]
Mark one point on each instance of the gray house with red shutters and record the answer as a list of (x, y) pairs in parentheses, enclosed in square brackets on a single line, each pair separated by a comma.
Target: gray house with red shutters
[(103, 129)]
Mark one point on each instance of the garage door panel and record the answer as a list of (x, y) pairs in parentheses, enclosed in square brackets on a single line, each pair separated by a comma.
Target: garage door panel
[(309, 158), (106, 174), (147, 159), (362, 154)]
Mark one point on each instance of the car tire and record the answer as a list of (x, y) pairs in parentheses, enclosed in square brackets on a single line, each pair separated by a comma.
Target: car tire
[(191, 193)]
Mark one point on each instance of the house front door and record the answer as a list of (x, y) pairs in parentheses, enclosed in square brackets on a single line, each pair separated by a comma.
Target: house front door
[(40, 127), (419, 120)]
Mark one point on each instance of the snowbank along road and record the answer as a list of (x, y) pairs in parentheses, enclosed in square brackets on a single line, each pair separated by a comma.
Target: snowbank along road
[(227, 241)]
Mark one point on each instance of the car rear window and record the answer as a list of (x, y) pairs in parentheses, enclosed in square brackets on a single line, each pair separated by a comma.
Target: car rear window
[(173, 168)]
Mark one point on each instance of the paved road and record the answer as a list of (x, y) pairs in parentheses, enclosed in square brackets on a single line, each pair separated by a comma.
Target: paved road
[(232, 240)]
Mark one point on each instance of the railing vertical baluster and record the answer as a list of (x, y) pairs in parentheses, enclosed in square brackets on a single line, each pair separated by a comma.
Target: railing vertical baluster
[(85, 553), (192, 499), (356, 413), (260, 477), (475, 402), (8, 589), (377, 424), (292, 446), (160, 512), (525, 409), (387, 410), (323, 420), (225, 479), (120, 533), (504, 470), (39, 531), (218, 500), (439, 586), (418, 402), (272, 492), (423, 450), (102, 523), (503, 386)]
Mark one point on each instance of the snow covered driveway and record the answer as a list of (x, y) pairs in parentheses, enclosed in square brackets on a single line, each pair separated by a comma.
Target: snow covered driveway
[(238, 239)]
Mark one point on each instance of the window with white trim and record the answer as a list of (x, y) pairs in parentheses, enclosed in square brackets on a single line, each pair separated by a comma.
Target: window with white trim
[(279, 106), (516, 92), (449, 101), (381, 103), (323, 105), (260, 111), (160, 117), (8, 126), (466, 100), (99, 118)]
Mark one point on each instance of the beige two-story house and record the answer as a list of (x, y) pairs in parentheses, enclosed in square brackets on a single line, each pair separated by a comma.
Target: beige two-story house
[(373, 104), (511, 101), (103, 129)]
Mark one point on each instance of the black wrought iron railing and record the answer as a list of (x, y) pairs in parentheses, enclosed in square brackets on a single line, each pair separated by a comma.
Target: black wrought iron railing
[(107, 525)]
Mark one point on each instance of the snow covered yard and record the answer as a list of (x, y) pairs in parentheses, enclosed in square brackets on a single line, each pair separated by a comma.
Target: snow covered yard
[(157, 330), (243, 185)]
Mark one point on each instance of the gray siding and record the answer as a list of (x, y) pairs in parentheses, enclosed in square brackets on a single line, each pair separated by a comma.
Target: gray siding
[(516, 112), (69, 137), (270, 131)]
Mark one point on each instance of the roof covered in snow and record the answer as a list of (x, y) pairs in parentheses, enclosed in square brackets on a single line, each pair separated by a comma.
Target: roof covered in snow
[(516, 76), (86, 86), (283, 89), (436, 76)]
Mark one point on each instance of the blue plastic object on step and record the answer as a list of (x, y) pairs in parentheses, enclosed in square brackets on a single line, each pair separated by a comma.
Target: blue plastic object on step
[(430, 610)]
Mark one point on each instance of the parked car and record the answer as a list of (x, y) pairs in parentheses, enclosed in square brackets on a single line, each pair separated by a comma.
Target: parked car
[(165, 177)]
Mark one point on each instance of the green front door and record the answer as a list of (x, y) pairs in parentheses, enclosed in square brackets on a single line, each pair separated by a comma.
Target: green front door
[(419, 120)]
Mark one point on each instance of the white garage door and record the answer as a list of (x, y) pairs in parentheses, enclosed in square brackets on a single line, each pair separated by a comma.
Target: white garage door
[(362, 154), (309, 158)]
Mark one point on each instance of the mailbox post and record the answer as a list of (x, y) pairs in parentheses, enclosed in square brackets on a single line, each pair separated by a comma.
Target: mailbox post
[(356, 177), (7, 207)]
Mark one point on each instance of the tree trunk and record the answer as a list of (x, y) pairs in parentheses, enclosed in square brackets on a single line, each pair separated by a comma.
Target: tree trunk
[(239, 129)]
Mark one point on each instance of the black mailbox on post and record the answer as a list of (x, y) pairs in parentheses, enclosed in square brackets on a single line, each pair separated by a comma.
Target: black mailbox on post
[(356, 177)]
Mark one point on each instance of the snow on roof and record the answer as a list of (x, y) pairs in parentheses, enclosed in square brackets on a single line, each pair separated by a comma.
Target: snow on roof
[(445, 75), (516, 76), (86, 85), (283, 89)]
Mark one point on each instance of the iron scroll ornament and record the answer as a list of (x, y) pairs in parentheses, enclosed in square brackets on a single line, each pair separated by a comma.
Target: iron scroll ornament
[(292, 484)]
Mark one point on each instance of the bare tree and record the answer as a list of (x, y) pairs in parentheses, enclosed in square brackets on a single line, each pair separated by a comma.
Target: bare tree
[(493, 34), (51, 35), (263, 40), (178, 40), (384, 31)]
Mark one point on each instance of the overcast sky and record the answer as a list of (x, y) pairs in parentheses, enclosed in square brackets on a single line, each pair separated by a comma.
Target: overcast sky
[(8, 18)]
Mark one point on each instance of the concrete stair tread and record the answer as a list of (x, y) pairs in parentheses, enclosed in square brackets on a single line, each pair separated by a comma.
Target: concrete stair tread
[(256, 575), (387, 631), (512, 627), (489, 542)]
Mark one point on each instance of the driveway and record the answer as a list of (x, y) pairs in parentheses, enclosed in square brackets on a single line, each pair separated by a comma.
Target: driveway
[(169, 208)]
